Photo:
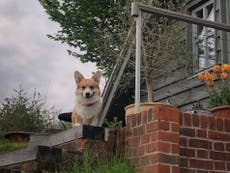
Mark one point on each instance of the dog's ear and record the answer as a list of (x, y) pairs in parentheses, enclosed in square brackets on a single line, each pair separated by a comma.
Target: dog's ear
[(97, 76), (78, 76)]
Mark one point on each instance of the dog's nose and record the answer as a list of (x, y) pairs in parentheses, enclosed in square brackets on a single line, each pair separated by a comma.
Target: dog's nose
[(87, 95)]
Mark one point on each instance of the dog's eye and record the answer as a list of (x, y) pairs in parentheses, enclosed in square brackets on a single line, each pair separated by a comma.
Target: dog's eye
[(83, 87), (91, 87)]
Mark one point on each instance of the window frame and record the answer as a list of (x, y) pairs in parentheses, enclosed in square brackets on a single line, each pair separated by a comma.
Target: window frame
[(194, 43)]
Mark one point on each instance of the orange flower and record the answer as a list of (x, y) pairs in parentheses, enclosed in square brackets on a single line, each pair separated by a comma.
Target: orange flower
[(226, 68), (217, 68), (208, 76), (224, 75), (201, 77), (210, 83)]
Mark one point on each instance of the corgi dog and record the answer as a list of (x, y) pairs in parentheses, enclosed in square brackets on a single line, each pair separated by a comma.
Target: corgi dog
[(88, 100)]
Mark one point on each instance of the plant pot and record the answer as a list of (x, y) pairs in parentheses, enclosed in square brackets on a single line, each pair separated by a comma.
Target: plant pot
[(17, 136), (221, 112), (130, 109)]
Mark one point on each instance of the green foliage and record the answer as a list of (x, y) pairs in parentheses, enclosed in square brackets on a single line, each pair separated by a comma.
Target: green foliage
[(93, 163), (93, 26), (97, 28), (114, 125), (22, 113), (220, 96)]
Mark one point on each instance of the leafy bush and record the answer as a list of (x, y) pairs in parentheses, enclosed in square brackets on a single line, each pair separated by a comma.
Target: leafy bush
[(22, 113)]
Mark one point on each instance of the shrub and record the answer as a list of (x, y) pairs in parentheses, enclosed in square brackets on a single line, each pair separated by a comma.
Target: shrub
[(22, 113)]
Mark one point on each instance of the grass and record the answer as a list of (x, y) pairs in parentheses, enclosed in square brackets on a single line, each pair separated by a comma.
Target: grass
[(7, 146), (93, 163)]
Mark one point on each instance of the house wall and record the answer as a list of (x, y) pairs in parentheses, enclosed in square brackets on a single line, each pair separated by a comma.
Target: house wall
[(164, 140), (181, 87)]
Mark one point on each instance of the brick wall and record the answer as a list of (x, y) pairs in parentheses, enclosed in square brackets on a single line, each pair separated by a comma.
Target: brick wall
[(164, 140), (204, 144)]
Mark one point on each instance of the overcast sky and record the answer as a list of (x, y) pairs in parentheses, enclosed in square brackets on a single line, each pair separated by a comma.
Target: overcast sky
[(30, 59)]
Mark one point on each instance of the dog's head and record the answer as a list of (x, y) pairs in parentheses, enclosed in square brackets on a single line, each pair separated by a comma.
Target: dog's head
[(88, 90)]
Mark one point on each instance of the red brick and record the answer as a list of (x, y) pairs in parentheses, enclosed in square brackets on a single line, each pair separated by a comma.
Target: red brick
[(150, 115), (198, 143), (228, 147), (219, 124), (139, 119), (183, 141), (155, 158), (138, 131), (187, 152), (151, 169), (187, 132), (145, 138), (151, 126), (133, 120), (204, 122), (175, 148), (212, 123), (155, 136), (228, 166), (158, 168), (175, 169), (169, 159), (145, 160), (169, 137), (202, 171), (164, 147), (141, 169), (227, 125), (144, 117), (164, 168), (181, 122), (187, 120), (201, 164), (201, 133), (141, 150), (219, 146), (163, 125), (219, 166), (133, 141), (202, 154), (157, 125), (186, 170), (183, 162), (167, 113), (152, 147), (196, 120), (218, 136), (158, 146), (174, 127), (219, 156)]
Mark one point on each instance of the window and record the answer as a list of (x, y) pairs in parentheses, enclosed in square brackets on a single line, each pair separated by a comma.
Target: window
[(204, 37)]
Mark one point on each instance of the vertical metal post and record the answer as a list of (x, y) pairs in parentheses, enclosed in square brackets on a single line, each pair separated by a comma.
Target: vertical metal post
[(138, 63)]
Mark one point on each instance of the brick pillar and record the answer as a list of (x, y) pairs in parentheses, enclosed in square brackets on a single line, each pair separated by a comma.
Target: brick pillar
[(153, 140)]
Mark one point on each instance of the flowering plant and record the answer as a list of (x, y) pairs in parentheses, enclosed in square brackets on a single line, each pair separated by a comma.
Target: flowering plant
[(218, 95)]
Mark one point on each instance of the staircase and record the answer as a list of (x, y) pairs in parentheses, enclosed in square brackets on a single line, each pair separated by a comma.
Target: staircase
[(45, 152)]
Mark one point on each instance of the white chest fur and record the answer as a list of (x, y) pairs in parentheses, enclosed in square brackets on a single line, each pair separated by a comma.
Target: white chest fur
[(87, 112)]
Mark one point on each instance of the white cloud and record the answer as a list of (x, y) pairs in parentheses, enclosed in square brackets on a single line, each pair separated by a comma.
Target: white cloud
[(30, 59)]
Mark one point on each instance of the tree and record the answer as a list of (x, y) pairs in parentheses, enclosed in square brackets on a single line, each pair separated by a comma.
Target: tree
[(99, 29), (95, 27), (23, 113)]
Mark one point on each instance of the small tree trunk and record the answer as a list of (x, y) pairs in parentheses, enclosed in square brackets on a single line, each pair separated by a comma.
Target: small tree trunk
[(149, 86)]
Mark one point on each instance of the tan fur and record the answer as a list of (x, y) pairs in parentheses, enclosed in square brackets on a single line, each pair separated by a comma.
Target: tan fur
[(88, 101)]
